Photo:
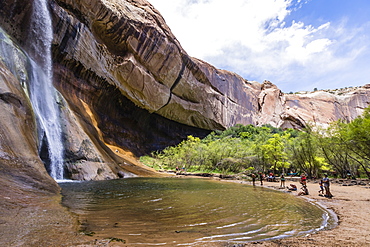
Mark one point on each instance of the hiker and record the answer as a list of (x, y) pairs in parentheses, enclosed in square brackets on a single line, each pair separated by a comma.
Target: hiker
[(303, 179), (321, 191), (282, 181), (254, 179), (326, 183), (261, 178)]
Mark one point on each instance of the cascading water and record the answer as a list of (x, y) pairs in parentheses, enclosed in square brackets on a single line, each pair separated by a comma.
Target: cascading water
[(42, 91)]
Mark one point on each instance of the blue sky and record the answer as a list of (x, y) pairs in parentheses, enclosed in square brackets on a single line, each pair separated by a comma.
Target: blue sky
[(296, 44)]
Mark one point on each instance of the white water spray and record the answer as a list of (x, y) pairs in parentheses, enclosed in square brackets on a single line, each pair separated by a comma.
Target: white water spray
[(42, 92)]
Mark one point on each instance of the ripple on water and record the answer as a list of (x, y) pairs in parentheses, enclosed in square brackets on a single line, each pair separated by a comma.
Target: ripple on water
[(155, 211)]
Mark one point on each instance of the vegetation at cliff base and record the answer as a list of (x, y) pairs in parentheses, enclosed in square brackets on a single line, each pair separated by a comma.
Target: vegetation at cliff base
[(341, 149)]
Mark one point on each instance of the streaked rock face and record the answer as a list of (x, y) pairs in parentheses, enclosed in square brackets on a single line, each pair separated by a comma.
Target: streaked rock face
[(310, 108), (321, 108), (128, 45)]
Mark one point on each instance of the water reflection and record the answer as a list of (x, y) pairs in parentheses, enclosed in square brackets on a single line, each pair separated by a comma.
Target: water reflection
[(173, 211)]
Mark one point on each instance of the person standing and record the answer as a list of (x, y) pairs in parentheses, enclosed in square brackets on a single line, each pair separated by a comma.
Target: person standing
[(326, 183), (303, 179), (254, 179), (348, 174), (261, 178), (282, 181), (321, 191)]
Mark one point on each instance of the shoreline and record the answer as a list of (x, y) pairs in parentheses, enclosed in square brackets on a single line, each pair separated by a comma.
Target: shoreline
[(350, 204), (43, 221), (350, 207)]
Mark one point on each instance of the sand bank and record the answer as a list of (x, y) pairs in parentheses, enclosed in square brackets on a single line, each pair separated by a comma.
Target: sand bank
[(352, 206)]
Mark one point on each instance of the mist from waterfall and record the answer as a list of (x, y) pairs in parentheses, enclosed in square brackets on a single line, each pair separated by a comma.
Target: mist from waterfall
[(42, 92)]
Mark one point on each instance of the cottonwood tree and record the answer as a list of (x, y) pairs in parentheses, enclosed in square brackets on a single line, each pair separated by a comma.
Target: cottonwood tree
[(274, 153), (336, 150), (304, 153), (357, 137)]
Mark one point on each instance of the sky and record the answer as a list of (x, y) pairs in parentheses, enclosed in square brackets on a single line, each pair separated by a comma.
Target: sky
[(299, 45)]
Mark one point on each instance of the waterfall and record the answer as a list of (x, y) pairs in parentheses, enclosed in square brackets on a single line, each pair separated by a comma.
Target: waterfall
[(42, 92)]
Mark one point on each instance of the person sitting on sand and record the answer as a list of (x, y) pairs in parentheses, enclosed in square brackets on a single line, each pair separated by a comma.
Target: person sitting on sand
[(304, 191), (270, 177), (292, 187)]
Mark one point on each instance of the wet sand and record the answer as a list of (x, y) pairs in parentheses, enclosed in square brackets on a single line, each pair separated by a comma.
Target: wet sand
[(352, 206)]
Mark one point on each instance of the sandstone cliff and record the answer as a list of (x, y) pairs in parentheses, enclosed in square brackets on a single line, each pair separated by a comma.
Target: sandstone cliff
[(318, 108), (127, 45)]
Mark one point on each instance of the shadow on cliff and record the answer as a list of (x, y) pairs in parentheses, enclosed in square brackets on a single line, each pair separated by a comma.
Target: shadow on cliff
[(119, 120)]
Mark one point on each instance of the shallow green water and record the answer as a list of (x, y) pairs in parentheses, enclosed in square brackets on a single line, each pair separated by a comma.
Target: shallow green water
[(185, 211)]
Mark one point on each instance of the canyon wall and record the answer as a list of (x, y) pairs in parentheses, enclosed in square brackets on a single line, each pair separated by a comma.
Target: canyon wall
[(127, 45)]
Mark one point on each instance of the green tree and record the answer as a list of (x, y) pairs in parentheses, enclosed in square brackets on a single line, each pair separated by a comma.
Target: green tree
[(260, 139), (336, 150), (274, 152), (357, 136), (304, 153)]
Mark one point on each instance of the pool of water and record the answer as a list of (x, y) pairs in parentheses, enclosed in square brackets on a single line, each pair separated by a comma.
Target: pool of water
[(188, 211)]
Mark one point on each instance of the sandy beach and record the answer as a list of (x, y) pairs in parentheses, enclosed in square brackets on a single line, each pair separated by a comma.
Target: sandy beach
[(351, 204)]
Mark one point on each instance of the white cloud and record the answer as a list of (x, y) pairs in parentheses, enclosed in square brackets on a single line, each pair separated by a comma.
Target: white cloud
[(204, 27), (252, 38)]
